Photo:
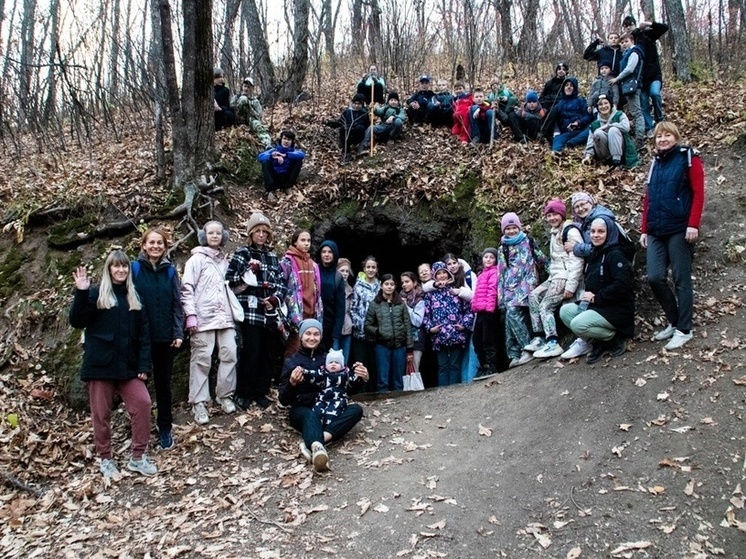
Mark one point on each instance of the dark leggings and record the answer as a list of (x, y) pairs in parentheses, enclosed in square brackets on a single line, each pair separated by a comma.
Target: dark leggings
[(163, 368), (309, 424)]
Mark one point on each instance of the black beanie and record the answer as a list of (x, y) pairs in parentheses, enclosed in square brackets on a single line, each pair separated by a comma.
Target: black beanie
[(358, 98), (393, 95)]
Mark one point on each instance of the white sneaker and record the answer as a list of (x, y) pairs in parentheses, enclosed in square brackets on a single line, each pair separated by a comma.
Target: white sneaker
[(678, 339), (525, 357), (142, 465), (513, 363), (664, 334), (227, 404), (536, 344), (109, 469), (200, 413), (320, 457), (550, 349), (579, 347), (304, 452)]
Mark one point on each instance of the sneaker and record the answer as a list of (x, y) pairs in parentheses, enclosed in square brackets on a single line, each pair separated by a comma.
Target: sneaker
[(143, 466), (665, 334), (263, 402), (227, 404), (166, 439), (618, 346), (598, 349), (525, 357), (678, 339), (200, 413), (109, 469), (320, 458), (304, 452), (363, 149), (550, 349), (241, 402), (536, 344), (578, 348), (390, 143), (513, 363), (271, 197)]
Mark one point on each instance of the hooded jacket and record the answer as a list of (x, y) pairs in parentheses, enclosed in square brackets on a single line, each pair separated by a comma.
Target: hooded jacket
[(291, 154), (583, 249), (203, 291), (485, 292), (333, 294), (608, 275), (448, 311), (604, 55), (571, 108)]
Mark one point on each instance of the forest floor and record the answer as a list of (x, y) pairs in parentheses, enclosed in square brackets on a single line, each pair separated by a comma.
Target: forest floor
[(639, 456)]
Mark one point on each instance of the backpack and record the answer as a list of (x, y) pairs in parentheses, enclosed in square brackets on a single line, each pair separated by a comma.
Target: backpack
[(628, 247), (136, 270), (566, 231)]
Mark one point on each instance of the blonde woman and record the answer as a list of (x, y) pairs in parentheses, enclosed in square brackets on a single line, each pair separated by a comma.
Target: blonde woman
[(117, 358)]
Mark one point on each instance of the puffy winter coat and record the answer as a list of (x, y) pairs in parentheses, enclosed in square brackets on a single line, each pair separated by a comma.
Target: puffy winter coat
[(572, 108), (485, 294), (562, 264), (203, 291), (448, 311), (388, 324), (159, 289), (117, 340), (669, 194), (291, 154), (517, 273)]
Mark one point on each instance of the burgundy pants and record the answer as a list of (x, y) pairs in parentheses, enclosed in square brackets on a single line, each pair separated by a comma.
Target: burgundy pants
[(136, 400)]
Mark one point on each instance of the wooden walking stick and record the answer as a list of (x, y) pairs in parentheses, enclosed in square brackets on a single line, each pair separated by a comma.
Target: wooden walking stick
[(372, 101), (492, 126)]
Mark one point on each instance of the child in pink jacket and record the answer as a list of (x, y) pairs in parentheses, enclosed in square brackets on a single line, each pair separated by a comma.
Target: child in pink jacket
[(484, 305)]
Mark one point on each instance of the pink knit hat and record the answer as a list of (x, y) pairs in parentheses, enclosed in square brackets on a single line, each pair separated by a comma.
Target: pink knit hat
[(510, 218), (555, 205)]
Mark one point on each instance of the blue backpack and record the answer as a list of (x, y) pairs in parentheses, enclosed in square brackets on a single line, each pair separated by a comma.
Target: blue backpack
[(136, 270)]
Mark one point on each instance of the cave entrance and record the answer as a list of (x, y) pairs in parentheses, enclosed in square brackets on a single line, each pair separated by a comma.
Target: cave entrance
[(396, 250)]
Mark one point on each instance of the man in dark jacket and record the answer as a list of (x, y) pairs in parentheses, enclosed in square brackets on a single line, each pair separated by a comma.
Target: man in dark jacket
[(646, 36), (224, 115), (352, 124), (572, 118), (552, 93), (605, 53), (418, 101), (281, 164)]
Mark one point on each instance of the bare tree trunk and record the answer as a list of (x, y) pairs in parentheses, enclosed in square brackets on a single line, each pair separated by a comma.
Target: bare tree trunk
[(527, 45), (374, 32), (51, 101), (226, 46), (503, 8), (328, 22), (299, 65), (682, 52), (191, 109), (648, 10), (114, 54), (622, 8), (260, 48), (357, 31), (27, 55)]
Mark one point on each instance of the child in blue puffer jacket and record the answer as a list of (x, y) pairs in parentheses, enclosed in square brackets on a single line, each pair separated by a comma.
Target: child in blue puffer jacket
[(448, 318), (281, 164)]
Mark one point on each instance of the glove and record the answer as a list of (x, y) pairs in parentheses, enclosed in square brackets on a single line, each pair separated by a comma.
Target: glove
[(255, 266), (274, 301)]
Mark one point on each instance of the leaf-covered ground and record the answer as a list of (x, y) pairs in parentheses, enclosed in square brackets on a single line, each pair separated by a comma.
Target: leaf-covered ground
[(642, 456)]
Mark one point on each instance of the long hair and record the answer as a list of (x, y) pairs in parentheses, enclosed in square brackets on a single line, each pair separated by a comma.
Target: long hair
[(459, 278), (106, 297), (395, 297)]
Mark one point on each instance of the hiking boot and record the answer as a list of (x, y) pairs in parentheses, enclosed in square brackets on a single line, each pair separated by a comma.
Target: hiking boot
[(598, 349), (319, 457), (665, 334), (678, 339), (577, 349), (550, 349), (200, 413), (618, 346), (536, 344), (263, 402), (142, 465), (241, 402), (363, 149), (304, 452), (227, 404), (166, 439), (109, 469)]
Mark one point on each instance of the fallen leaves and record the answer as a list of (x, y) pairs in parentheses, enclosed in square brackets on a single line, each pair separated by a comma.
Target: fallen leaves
[(622, 549), (485, 431)]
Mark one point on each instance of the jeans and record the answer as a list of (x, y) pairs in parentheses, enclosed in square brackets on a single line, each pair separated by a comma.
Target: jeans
[(652, 91), (310, 425), (674, 252), (481, 129), (384, 132), (280, 181), (344, 344), (390, 363), (588, 325), (637, 114), (449, 365), (570, 139)]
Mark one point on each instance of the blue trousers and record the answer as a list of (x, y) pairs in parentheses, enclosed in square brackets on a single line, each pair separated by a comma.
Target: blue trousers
[(449, 365), (570, 139), (652, 92), (481, 128), (390, 363)]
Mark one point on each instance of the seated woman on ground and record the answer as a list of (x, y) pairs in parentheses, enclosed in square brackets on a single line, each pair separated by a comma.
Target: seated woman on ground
[(605, 314), (609, 140), (301, 395)]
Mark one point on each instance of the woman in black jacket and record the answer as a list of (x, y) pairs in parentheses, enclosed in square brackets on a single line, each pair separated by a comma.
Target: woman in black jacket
[(605, 314), (301, 395), (159, 288), (116, 359)]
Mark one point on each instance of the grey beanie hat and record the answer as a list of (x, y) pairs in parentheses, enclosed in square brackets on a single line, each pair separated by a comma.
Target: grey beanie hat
[(309, 323)]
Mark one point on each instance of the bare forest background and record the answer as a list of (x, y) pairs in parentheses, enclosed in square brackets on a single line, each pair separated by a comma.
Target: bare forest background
[(74, 71)]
